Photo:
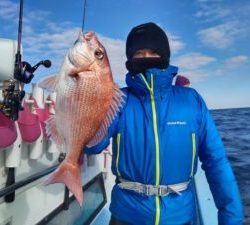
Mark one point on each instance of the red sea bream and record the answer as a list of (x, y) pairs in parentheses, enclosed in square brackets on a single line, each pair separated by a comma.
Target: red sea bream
[(87, 100)]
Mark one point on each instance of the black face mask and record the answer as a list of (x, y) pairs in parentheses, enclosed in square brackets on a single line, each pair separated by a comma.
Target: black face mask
[(140, 65)]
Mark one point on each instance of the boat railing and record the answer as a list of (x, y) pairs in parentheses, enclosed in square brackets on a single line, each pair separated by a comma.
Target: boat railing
[(13, 187), (206, 209)]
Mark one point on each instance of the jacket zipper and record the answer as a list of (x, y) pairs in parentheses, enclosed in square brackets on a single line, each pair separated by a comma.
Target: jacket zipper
[(193, 154), (157, 146), (118, 140)]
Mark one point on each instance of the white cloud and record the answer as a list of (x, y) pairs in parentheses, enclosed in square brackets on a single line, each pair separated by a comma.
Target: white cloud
[(175, 43), (27, 29), (221, 36), (193, 66), (209, 1), (51, 45), (51, 41), (116, 52), (195, 76), (9, 10), (32, 17), (232, 22), (200, 75), (196, 73), (236, 61), (212, 12), (193, 61)]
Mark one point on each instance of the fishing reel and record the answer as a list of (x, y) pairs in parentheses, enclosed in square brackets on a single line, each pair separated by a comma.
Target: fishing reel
[(24, 72), (12, 89), (12, 98)]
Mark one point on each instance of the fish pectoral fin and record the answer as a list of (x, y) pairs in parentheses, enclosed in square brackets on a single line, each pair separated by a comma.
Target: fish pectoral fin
[(53, 133), (118, 100), (49, 83)]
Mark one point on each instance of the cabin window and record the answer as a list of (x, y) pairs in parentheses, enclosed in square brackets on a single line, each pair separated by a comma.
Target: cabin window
[(94, 200)]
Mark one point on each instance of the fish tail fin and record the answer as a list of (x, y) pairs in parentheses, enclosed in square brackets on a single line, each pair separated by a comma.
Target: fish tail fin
[(70, 175)]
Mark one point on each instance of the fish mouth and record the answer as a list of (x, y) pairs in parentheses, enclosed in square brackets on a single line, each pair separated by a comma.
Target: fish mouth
[(88, 35), (78, 55)]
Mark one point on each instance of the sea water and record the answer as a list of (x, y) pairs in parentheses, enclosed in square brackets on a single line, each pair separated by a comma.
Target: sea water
[(234, 128)]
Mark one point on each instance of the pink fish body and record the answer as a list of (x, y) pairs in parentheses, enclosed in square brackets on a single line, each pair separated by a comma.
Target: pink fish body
[(86, 102)]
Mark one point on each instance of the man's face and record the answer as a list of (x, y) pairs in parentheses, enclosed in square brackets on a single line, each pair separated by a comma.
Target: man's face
[(145, 53)]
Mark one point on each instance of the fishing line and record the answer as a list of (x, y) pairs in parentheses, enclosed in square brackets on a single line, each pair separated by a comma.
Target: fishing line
[(84, 13)]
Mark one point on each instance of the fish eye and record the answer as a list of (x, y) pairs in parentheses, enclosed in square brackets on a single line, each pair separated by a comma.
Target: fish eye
[(99, 54)]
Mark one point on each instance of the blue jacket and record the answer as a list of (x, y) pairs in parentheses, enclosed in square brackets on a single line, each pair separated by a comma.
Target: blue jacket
[(157, 138)]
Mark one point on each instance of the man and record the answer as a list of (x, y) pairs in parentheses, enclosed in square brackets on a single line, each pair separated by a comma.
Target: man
[(157, 139)]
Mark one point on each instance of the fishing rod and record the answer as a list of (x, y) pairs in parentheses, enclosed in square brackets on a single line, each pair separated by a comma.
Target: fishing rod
[(19, 37), (12, 89), (13, 93), (84, 13), (13, 96)]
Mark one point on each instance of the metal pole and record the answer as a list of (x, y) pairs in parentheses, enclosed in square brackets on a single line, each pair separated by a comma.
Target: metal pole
[(13, 187)]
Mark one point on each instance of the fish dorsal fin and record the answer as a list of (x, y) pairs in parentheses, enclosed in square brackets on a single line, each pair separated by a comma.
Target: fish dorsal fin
[(49, 83), (118, 100), (53, 134)]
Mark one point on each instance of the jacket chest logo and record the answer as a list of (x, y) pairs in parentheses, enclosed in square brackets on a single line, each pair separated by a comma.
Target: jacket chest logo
[(176, 123)]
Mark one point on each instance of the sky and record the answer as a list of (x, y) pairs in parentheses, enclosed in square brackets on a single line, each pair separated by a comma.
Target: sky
[(209, 39)]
